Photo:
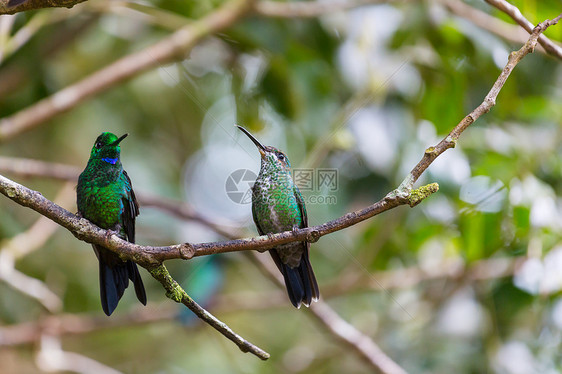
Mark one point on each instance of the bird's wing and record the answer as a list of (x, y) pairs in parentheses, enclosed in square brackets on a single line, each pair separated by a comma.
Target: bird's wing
[(130, 208), (302, 207)]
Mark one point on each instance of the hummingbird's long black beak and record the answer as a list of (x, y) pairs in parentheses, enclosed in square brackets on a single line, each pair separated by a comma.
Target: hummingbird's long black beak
[(119, 140), (260, 146)]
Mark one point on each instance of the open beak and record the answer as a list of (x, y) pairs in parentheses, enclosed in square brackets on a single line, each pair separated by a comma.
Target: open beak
[(119, 140), (260, 146)]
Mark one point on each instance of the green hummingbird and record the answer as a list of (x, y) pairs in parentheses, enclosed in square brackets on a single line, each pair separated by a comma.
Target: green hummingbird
[(106, 198), (277, 206)]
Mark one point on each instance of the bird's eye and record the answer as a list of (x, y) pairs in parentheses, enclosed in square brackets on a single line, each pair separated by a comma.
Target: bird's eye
[(99, 145), (281, 157)]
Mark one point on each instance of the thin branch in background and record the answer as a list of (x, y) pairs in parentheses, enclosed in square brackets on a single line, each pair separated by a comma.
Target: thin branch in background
[(29, 286), (346, 333), (72, 324), (15, 76), (171, 48), (25, 243), (23, 35), (182, 210), (493, 268), (36, 236), (358, 342), (514, 12), (509, 32), (52, 358), (308, 9), (25, 167), (147, 13)]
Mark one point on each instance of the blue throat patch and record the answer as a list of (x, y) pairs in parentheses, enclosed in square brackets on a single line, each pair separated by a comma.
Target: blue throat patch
[(111, 161)]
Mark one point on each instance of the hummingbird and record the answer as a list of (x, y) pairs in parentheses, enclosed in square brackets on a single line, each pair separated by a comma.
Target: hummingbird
[(106, 198), (277, 206)]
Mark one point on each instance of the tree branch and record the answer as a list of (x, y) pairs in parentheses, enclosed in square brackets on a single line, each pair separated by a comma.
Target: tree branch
[(507, 31), (450, 140), (176, 293), (148, 256), (16, 6), (517, 16)]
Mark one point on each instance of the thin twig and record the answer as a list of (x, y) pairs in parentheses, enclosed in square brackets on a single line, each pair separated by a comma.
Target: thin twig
[(514, 12), (176, 293), (31, 287), (450, 140)]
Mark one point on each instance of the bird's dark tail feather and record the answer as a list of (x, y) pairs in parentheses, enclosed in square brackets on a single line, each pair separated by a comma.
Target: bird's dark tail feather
[(115, 279), (300, 281)]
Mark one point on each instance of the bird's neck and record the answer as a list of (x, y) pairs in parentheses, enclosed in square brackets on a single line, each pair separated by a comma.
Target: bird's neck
[(275, 177)]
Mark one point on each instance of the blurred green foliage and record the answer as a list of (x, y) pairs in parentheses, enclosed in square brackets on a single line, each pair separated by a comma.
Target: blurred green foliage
[(363, 92)]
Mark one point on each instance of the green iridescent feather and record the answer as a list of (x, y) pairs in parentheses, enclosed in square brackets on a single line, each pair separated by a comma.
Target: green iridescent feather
[(106, 198)]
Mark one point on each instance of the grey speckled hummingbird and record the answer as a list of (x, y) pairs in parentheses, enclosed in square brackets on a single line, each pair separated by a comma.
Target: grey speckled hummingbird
[(277, 206)]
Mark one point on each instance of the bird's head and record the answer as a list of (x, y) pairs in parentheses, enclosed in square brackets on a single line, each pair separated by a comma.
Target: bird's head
[(106, 147), (270, 156)]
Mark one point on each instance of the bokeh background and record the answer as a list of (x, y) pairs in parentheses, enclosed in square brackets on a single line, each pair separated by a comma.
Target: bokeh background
[(466, 282)]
